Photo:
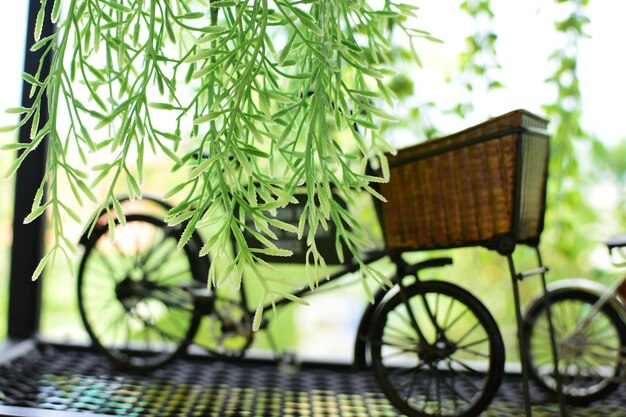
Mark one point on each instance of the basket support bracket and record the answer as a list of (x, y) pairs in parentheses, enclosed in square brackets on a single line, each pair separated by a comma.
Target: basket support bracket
[(516, 278), (531, 272)]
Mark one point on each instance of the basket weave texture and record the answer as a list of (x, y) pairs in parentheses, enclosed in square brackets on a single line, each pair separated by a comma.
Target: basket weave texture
[(469, 188)]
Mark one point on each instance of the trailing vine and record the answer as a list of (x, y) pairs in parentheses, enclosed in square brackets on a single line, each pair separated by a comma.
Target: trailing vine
[(239, 92)]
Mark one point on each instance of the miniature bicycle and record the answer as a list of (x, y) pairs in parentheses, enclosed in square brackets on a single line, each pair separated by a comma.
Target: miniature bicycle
[(143, 303), (590, 334), (434, 347)]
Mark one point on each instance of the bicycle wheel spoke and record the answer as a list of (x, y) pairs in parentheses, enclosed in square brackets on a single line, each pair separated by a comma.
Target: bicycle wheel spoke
[(452, 370), (156, 330), (438, 388), (162, 279), (464, 376), (411, 387), (398, 352), (474, 343), (110, 270), (600, 331), (395, 336), (446, 319), (451, 404), (469, 331), (457, 319), (477, 353)]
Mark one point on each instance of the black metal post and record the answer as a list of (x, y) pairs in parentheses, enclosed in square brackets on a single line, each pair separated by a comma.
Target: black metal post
[(520, 336), (28, 239), (553, 344)]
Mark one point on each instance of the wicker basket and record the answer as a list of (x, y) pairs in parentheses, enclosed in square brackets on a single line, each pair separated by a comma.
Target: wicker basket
[(483, 186)]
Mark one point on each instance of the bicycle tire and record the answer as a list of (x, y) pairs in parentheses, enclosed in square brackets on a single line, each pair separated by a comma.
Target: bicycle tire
[(133, 292), (606, 333), (445, 361)]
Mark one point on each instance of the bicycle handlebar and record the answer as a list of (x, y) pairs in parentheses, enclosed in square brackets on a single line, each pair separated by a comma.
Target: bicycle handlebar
[(617, 249)]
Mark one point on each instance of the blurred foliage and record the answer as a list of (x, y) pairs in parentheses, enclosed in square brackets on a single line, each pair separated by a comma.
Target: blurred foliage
[(6, 205), (478, 64), (569, 213)]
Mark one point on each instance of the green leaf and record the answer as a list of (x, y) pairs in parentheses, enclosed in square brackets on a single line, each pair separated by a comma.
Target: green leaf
[(118, 211), (174, 190), (210, 37), (38, 211), (292, 297), (167, 135), (191, 16), (169, 30), (282, 225), (285, 52), (382, 13), (39, 21), (200, 55), (40, 266), (72, 214), (5, 129), (208, 117), (56, 10), (189, 230), (258, 316), (18, 110), (13, 146), (366, 93), (105, 121), (31, 80), (87, 138), (101, 176), (42, 42), (117, 6), (38, 197), (312, 26), (81, 184), (96, 72), (251, 150), (218, 4), (273, 252), (215, 29), (171, 154)]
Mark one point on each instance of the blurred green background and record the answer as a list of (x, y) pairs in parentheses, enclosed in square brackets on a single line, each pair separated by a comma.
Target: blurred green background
[(557, 70)]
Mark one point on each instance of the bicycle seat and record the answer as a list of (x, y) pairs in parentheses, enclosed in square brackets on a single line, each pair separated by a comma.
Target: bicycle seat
[(615, 242), (429, 263)]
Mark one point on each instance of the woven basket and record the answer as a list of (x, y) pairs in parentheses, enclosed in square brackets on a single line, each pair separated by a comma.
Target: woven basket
[(481, 186)]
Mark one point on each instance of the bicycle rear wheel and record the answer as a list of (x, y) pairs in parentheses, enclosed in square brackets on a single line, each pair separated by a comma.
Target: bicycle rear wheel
[(135, 292), (436, 351), (591, 356)]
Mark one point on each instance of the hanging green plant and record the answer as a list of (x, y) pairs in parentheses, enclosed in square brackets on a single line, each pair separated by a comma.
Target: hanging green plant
[(256, 98)]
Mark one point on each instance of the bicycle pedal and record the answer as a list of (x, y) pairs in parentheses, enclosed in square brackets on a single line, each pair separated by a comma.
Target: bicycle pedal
[(289, 365), (201, 293)]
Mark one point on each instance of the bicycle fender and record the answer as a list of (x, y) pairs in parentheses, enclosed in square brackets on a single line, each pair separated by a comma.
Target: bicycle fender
[(85, 236), (360, 342), (579, 284)]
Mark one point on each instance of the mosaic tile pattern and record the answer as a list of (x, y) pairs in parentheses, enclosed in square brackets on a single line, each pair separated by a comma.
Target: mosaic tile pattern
[(70, 379)]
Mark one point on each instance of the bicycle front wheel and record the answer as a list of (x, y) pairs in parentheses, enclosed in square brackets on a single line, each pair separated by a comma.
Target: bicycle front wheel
[(135, 292), (590, 346), (436, 351)]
